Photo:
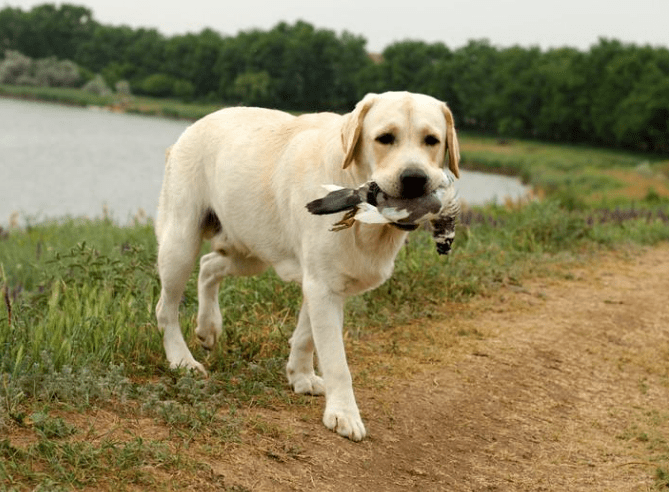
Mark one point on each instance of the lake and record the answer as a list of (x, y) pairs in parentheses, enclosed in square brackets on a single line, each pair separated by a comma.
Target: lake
[(60, 161)]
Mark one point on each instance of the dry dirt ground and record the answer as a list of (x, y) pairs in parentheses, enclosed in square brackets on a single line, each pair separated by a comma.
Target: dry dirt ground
[(559, 385)]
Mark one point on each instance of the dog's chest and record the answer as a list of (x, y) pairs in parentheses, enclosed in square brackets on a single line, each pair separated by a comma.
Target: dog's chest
[(354, 285), (366, 271)]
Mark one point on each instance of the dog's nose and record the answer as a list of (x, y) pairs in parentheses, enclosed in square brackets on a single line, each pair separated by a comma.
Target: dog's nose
[(413, 183)]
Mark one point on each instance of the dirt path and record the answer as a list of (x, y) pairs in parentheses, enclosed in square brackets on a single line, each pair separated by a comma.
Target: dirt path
[(560, 385)]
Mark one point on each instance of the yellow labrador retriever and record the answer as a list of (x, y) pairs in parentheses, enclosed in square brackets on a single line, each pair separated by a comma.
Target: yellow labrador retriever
[(241, 177)]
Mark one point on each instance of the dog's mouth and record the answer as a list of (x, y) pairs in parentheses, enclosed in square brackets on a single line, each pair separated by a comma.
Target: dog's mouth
[(405, 227), (372, 193), (372, 198), (375, 191), (403, 192)]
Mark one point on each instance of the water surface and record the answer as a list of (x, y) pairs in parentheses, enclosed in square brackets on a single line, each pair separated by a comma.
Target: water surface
[(60, 161)]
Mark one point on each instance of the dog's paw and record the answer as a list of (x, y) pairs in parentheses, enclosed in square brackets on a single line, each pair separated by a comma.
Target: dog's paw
[(189, 363), (345, 422), (207, 338), (307, 384), (209, 329)]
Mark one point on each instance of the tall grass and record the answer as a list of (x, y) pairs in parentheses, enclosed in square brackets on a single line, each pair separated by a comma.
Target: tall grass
[(81, 294)]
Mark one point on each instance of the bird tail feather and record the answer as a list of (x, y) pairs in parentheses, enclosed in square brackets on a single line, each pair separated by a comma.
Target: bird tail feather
[(335, 201)]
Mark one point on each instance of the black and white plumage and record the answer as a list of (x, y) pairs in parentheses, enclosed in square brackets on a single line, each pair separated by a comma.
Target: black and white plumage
[(369, 204)]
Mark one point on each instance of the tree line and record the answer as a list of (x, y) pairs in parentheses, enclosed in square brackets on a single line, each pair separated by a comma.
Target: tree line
[(615, 94)]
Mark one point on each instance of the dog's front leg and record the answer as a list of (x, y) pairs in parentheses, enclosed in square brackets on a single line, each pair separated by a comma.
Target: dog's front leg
[(326, 313)]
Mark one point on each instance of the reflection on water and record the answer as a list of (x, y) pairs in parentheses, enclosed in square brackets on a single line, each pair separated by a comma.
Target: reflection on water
[(57, 161)]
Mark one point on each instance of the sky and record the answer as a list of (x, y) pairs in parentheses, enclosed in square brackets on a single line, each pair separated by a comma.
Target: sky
[(547, 24)]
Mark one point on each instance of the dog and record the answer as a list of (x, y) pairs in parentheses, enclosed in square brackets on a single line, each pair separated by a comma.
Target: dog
[(241, 178)]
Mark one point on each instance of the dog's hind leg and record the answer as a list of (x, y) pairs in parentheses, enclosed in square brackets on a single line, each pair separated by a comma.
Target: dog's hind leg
[(300, 367), (178, 246), (209, 319), (213, 268)]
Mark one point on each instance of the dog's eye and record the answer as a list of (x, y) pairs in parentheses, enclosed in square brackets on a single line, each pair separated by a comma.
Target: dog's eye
[(386, 138), (431, 140)]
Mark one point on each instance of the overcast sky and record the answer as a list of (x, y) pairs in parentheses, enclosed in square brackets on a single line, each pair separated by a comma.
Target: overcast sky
[(547, 24)]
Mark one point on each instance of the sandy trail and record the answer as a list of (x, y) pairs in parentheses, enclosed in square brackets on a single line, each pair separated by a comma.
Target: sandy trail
[(559, 385)]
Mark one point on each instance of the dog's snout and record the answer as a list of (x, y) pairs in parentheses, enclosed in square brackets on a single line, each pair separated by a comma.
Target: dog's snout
[(413, 183)]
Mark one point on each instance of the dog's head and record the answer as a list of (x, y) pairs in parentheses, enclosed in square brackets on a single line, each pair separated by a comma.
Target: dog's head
[(401, 140)]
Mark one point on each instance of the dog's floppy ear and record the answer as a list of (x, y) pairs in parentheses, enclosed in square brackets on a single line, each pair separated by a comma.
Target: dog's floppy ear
[(452, 143), (350, 130)]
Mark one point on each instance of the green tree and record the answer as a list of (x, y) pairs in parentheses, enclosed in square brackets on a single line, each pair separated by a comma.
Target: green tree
[(410, 65), (515, 102), (253, 88), (561, 88), (50, 30), (641, 119), (474, 87), (105, 46)]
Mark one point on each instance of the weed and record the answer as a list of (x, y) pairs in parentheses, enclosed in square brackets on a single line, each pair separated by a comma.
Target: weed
[(50, 428), (79, 463), (662, 478)]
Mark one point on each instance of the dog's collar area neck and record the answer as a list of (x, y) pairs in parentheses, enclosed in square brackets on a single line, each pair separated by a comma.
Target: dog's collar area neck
[(405, 227)]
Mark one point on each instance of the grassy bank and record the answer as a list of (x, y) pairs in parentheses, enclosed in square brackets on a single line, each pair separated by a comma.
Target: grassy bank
[(577, 176), (171, 108)]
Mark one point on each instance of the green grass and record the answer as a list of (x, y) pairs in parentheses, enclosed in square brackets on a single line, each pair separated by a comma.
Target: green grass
[(576, 175), (81, 294), (56, 465)]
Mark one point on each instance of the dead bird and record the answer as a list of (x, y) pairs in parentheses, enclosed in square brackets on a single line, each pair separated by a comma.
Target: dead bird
[(369, 204)]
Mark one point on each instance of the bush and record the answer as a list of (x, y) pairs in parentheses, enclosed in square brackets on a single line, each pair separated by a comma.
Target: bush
[(15, 68), (253, 88), (97, 85), (18, 69), (157, 85), (183, 89), (50, 72), (123, 88)]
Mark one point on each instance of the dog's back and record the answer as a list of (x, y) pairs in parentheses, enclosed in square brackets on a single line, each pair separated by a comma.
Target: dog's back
[(243, 163)]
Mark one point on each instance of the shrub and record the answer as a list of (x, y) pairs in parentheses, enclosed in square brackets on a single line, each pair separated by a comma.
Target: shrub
[(97, 85), (253, 88), (183, 89), (18, 69), (122, 88), (50, 72), (157, 85), (15, 68)]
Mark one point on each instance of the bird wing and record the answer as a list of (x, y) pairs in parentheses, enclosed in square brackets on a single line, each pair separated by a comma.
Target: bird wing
[(338, 200)]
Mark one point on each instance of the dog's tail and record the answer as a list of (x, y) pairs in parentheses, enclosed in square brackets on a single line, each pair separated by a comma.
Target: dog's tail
[(335, 201)]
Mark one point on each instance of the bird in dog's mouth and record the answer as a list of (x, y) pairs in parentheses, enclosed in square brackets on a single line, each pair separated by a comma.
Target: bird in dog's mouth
[(371, 205)]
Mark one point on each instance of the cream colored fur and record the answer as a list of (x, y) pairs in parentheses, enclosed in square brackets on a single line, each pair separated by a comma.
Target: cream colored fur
[(256, 169)]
